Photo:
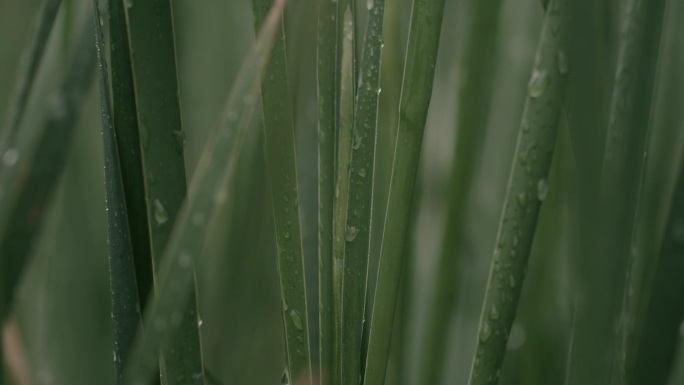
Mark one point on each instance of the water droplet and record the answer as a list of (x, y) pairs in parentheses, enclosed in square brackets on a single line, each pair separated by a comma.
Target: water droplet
[(538, 83), (114, 355), (494, 313), (542, 189), (522, 198), (511, 281), (287, 235), (362, 172), (179, 137), (296, 318), (485, 333), (10, 157), (357, 142), (160, 214), (517, 337), (562, 62), (129, 3), (348, 24), (199, 322), (351, 233), (369, 4)]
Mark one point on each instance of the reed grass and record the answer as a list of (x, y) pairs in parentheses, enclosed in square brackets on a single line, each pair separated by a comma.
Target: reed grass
[(278, 126), (342, 186), (621, 183), (655, 350), (359, 218), (124, 115), (416, 93), (327, 93), (28, 190), (153, 58), (31, 59), (527, 189), (124, 291), (210, 189), (589, 219)]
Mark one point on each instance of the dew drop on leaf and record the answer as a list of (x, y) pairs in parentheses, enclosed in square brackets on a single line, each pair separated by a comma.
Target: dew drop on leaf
[(538, 83), (562, 62), (160, 214), (542, 189), (494, 313), (296, 318), (10, 157), (351, 233), (485, 333)]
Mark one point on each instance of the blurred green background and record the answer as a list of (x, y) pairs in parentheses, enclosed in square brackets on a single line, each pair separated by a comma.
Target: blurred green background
[(62, 309)]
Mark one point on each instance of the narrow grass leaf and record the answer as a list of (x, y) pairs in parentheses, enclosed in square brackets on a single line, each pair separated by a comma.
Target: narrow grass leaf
[(653, 343), (416, 93), (342, 180), (357, 231), (278, 126), (657, 342), (527, 188), (124, 292), (31, 59), (124, 115), (151, 36), (327, 90), (473, 103), (27, 191), (599, 352), (210, 189)]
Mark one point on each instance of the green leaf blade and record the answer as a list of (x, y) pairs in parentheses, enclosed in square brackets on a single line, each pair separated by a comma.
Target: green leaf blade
[(327, 92), (153, 54), (124, 291), (278, 127), (357, 231), (210, 189), (125, 120), (527, 188), (416, 93)]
